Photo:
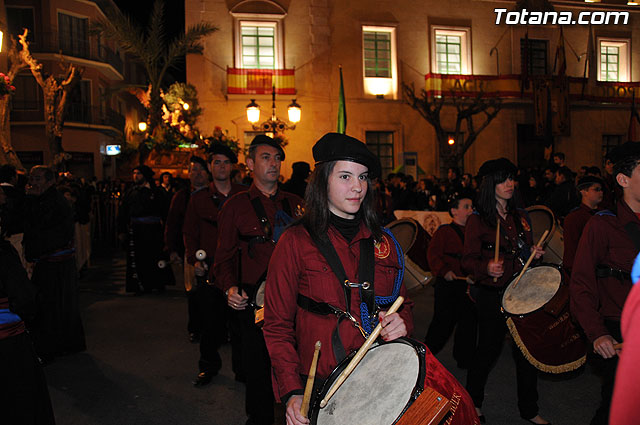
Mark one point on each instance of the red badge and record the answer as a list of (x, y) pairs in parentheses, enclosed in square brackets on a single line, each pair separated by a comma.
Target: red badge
[(525, 224), (382, 249)]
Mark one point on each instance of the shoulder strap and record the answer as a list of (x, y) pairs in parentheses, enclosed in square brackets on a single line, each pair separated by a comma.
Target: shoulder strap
[(458, 231), (262, 216)]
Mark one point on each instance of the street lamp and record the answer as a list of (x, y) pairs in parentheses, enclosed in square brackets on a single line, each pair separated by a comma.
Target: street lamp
[(274, 124)]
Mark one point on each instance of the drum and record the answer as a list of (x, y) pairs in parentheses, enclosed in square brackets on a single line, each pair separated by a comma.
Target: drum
[(538, 319), (414, 241), (258, 303), (389, 383), (542, 219)]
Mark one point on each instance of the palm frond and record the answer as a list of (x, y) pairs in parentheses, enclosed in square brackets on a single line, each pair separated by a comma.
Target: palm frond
[(189, 42), (155, 43), (121, 29)]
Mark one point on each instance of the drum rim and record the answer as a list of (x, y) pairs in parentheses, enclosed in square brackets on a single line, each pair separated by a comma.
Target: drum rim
[(418, 388), (515, 275), (415, 225), (553, 216)]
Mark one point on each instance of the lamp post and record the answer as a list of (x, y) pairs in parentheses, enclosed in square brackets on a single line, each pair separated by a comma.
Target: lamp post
[(274, 125)]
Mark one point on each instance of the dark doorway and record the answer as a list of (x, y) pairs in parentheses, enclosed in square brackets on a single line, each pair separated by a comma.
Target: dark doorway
[(530, 148)]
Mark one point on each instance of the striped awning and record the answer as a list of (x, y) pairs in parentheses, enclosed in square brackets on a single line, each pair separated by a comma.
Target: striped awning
[(509, 86), (260, 81)]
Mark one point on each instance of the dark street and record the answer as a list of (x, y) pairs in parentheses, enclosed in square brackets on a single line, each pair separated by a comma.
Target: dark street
[(139, 366)]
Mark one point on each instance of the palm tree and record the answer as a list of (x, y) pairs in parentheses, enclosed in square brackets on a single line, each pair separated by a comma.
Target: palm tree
[(156, 53)]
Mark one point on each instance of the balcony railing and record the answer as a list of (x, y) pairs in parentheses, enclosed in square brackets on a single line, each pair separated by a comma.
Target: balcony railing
[(50, 42), (509, 87), (260, 81), (86, 114)]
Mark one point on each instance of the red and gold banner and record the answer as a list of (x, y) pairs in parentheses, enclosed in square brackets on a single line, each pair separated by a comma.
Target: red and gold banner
[(509, 86), (260, 81)]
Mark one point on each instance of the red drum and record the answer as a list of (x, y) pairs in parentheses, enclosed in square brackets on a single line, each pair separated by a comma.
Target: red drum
[(542, 219), (387, 383), (414, 241), (538, 318)]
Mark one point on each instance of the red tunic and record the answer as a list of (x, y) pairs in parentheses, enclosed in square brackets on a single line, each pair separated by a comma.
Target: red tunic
[(237, 222), (574, 224), (291, 332), (479, 240), (625, 409), (200, 230), (603, 242), (445, 251)]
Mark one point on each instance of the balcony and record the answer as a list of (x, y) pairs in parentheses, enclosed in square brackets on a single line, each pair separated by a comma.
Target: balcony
[(92, 115), (87, 49), (509, 87), (260, 81)]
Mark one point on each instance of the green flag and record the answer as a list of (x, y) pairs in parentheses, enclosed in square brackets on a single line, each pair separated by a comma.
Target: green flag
[(342, 110)]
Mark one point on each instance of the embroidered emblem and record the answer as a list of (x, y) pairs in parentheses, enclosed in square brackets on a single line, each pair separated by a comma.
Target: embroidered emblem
[(525, 224), (382, 249)]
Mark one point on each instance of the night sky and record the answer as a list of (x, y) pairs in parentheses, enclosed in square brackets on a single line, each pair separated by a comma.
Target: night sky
[(140, 10)]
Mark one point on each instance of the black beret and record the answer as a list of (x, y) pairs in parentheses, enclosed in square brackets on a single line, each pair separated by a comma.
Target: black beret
[(221, 149), (494, 166), (145, 171), (337, 147), (627, 150), (262, 139), (587, 181), (301, 167), (197, 160)]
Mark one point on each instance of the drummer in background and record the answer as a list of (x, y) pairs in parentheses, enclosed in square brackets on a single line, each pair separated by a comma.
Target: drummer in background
[(452, 306), (590, 189), (339, 210), (495, 202), (600, 279)]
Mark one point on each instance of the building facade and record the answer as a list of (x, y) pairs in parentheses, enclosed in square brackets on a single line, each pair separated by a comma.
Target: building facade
[(297, 46), (99, 112)]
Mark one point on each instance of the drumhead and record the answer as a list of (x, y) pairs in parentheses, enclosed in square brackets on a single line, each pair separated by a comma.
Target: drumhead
[(536, 287), (405, 231), (377, 391), (260, 294)]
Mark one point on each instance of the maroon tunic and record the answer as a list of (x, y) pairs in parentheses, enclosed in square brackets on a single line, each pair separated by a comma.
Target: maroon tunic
[(200, 228), (603, 242), (445, 251), (479, 241), (574, 224), (237, 223)]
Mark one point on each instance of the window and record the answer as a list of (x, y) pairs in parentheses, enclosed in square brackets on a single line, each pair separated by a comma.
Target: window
[(19, 18), (258, 42), (73, 35), (27, 94), (610, 142), (534, 56), (451, 50), (613, 59), (381, 144), (380, 67), (80, 103)]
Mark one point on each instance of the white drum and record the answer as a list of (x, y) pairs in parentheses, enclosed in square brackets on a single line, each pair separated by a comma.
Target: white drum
[(536, 287), (378, 391)]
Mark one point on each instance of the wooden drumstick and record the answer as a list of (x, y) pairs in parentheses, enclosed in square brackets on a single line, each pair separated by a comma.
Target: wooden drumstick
[(496, 256), (304, 409), (533, 254), (617, 346), (360, 354)]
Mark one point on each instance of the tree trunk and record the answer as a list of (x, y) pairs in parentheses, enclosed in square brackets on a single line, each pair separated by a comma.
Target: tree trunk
[(7, 154)]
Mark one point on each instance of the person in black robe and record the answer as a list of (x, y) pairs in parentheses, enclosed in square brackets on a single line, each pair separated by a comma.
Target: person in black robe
[(141, 223), (48, 243)]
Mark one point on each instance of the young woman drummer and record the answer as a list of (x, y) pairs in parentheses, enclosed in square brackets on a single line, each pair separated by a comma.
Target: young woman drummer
[(339, 213), (495, 204)]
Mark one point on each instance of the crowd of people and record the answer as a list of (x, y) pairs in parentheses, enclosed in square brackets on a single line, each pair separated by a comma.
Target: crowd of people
[(274, 266)]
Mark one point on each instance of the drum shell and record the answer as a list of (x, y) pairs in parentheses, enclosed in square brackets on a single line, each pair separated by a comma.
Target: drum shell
[(547, 337)]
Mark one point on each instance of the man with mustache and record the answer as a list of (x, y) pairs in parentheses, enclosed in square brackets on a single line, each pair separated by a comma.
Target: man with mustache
[(250, 224)]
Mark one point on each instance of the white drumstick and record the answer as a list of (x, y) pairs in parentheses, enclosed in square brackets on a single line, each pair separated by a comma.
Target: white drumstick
[(201, 255)]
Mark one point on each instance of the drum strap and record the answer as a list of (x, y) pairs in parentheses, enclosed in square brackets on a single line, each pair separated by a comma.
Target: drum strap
[(458, 231), (634, 233), (603, 270)]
